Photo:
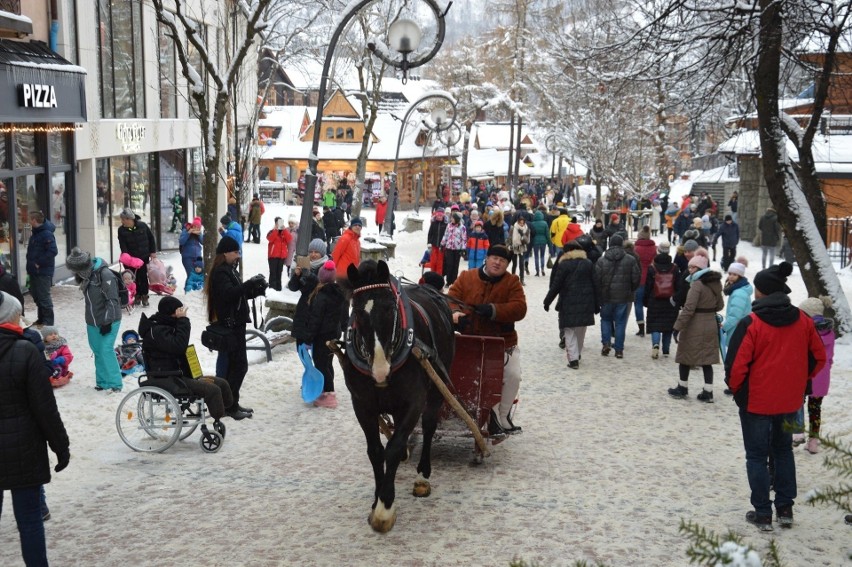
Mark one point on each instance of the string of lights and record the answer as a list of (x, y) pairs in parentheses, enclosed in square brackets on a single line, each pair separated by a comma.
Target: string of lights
[(5, 129)]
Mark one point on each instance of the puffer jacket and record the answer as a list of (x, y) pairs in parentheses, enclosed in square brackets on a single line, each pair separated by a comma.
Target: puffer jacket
[(437, 228), (103, 306), (190, 244), (770, 229), (455, 237), (164, 342), (739, 306), (541, 232), (571, 232), (29, 418), (646, 250), (279, 243), (773, 353), (304, 283), (230, 296), (729, 233), (329, 314), (347, 252), (616, 276), (574, 283), (9, 284), (661, 314), (557, 227), (42, 250), (825, 330), (137, 240), (698, 343)]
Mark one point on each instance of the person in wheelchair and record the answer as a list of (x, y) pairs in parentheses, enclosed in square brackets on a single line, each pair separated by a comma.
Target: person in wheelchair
[(165, 338)]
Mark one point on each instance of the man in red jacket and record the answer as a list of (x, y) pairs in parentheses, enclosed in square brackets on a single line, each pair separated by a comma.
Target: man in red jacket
[(772, 355)]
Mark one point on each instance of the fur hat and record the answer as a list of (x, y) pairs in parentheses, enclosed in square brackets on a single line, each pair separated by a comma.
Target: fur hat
[(317, 245), (501, 251), (699, 262), (327, 272), (773, 279), (616, 240), (126, 213), (51, 329), (664, 248), (690, 246), (10, 307), (813, 306), (227, 244), (169, 304), (78, 260)]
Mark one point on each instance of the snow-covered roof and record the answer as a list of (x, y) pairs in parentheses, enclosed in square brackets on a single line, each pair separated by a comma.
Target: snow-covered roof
[(715, 175), (496, 135), (832, 154)]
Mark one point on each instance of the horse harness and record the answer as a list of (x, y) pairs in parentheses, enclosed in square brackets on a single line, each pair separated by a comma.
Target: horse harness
[(402, 338)]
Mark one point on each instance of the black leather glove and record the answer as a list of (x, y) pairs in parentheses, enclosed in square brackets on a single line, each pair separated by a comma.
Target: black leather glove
[(484, 310), (546, 307), (63, 461), (105, 329)]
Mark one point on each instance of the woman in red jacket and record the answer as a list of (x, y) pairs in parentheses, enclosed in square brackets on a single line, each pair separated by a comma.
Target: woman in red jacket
[(348, 249), (381, 211), (279, 242)]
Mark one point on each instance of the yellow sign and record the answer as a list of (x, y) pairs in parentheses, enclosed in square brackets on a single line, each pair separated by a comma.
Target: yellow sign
[(194, 364)]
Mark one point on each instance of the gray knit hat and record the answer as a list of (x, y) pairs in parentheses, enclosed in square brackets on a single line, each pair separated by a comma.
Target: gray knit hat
[(78, 260), (10, 307), (48, 330), (317, 245), (690, 246), (126, 213)]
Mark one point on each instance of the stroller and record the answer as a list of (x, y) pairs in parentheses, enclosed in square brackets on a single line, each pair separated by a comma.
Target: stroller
[(129, 354), (128, 276)]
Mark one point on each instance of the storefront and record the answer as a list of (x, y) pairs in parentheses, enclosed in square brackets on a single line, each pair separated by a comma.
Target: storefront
[(44, 102)]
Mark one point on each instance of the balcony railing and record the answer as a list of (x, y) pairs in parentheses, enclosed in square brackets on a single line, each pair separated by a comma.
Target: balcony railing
[(13, 6)]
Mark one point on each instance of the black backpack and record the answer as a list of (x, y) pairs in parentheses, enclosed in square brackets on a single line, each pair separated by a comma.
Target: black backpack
[(123, 294)]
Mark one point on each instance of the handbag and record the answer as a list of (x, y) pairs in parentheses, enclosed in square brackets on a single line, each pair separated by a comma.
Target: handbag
[(550, 263), (219, 336)]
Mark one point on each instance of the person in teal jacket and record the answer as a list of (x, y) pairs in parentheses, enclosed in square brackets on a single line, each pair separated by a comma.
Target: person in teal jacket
[(739, 292), (103, 314), (540, 238)]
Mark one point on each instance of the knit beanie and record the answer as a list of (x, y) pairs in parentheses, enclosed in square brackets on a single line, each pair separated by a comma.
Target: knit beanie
[(227, 244), (169, 304), (690, 246), (616, 240), (127, 214), (356, 221), (814, 306), (327, 272), (196, 222), (78, 260), (48, 330), (10, 307), (317, 245), (699, 262), (664, 248), (645, 233), (737, 269), (773, 278)]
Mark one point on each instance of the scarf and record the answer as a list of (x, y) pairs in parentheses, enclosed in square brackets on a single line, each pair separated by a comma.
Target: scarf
[(731, 288), (317, 264), (53, 346)]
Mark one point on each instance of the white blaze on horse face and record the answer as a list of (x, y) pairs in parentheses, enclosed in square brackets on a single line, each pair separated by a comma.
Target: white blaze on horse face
[(381, 366), (368, 306)]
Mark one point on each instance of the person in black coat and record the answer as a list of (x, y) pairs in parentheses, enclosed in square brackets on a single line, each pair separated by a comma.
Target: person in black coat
[(304, 281), (9, 284), (29, 423), (135, 238), (574, 283), (329, 223), (662, 311), (328, 316), (165, 338), (227, 304)]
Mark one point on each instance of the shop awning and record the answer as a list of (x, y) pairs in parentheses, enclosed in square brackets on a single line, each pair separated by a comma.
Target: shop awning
[(39, 85)]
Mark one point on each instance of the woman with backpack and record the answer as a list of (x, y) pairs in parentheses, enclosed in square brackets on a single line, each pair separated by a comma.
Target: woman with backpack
[(661, 284)]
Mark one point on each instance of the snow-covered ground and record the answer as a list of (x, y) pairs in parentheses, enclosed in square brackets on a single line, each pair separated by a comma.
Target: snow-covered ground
[(606, 468)]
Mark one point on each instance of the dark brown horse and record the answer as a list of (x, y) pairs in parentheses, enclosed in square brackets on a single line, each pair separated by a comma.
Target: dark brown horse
[(384, 377)]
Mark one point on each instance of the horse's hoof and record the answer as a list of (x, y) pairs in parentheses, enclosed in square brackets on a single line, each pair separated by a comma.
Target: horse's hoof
[(381, 519), (422, 488)]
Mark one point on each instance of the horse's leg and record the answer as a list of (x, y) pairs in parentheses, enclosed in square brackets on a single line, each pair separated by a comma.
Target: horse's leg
[(369, 422), (384, 515), (422, 488)]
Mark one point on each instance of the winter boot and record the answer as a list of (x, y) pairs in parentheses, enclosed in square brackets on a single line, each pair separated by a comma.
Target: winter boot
[(705, 396), (785, 516), (813, 446), (574, 364), (326, 400), (798, 439), (655, 352), (679, 392), (605, 350), (641, 332), (145, 300), (764, 523)]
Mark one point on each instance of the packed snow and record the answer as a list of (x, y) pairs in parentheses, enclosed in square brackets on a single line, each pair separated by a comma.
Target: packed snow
[(607, 466)]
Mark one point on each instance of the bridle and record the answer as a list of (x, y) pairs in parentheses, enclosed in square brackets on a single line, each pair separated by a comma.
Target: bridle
[(402, 333)]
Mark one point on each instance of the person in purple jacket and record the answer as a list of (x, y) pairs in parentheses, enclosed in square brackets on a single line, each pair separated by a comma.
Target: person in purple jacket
[(815, 308)]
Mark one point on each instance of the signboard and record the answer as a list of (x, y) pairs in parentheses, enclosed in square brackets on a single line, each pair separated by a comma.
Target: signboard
[(130, 135), (194, 364), (36, 96)]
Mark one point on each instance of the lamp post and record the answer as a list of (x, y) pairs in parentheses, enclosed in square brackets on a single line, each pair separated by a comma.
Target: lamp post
[(405, 42), (439, 121)]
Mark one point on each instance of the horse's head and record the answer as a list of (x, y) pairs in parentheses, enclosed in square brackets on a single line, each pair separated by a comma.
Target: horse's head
[(376, 316)]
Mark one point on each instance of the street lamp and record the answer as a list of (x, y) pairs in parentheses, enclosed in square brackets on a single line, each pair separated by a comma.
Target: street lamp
[(405, 42), (436, 122)]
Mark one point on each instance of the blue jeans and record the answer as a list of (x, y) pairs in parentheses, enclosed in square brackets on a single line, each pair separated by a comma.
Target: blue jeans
[(40, 290), (666, 337), (538, 255), (765, 436), (638, 308), (27, 507), (614, 313)]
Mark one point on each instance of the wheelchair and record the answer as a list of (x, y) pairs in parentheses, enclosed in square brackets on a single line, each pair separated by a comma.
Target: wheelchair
[(163, 411)]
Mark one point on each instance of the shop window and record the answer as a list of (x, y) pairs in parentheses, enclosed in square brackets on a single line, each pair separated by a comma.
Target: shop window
[(122, 81), (25, 150), (3, 162), (329, 133), (58, 144), (59, 212), (168, 74), (350, 133), (6, 240), (340, 133)]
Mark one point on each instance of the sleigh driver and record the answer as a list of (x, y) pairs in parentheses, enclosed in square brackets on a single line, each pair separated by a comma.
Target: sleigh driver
[(491, 301)]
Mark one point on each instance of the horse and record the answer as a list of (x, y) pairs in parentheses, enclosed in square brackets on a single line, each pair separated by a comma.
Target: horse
[(384, 377)]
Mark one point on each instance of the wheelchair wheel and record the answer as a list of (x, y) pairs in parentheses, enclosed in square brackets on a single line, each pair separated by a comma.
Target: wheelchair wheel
[(149, 420), (220, 428), (191, 421), (211, 441)]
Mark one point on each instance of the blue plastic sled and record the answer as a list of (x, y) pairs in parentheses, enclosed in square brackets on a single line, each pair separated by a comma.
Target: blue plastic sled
[(312, 379)]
